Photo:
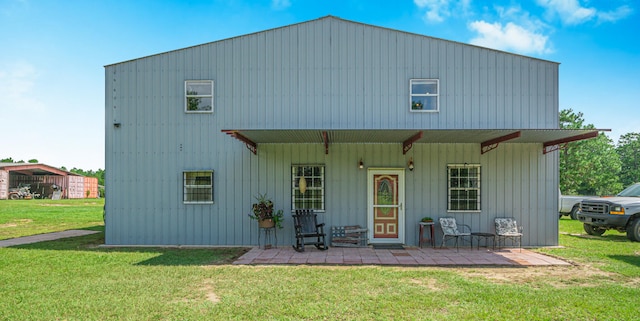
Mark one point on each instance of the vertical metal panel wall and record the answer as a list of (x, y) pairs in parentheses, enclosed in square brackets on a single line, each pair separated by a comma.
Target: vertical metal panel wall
[(328, 74)]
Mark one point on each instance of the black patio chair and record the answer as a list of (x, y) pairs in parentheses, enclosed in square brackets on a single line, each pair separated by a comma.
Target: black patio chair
[(308, 231)]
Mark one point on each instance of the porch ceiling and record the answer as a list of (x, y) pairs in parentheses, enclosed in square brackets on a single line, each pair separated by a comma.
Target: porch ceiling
[(479, 136), (264, 136)]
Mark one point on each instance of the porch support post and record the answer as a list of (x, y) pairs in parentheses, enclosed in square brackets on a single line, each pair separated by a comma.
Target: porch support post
[(493, 143), (550, 146), (407, 144), (247, 142), (325, 139)]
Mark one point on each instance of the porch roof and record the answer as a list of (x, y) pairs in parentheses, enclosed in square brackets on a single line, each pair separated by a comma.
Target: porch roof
[(488, 138)]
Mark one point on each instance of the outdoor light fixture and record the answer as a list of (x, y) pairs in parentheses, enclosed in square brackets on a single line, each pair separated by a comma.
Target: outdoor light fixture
[(116, 125), (410, 165), (361, 164)]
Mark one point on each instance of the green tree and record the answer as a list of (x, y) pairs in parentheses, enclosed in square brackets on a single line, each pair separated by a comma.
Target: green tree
[(99, 174), (33, 161), (588, 167), (629, 151)]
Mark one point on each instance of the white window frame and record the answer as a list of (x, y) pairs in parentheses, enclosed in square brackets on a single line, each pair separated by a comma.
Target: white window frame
[(191, 188), (188, 96), (463, 183), (417, 97), (315, 183)]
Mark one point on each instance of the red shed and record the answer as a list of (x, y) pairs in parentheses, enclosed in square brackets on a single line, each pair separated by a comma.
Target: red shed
[(44, 180)]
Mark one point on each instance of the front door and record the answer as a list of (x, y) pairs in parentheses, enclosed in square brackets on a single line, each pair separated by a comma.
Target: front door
[(385, 210)]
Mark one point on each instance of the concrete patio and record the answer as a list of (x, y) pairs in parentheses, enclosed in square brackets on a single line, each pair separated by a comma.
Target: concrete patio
[(410, 256)]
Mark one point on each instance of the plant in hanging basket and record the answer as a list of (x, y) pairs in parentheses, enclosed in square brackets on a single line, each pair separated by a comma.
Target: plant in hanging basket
[(265, 214)]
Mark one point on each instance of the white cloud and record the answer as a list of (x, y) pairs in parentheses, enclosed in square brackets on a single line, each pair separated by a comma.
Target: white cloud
[(510, 37), (439, 10), (280, 4), (520, 17), (571, 12), (17, 82), (615, 15)]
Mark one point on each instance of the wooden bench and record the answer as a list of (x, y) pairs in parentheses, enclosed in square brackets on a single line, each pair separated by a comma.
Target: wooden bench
[(308, 231), (349, 236)]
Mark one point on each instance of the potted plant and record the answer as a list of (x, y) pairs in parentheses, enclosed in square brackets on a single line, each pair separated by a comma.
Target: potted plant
[(416, 105), (426, 219), (265, 214)]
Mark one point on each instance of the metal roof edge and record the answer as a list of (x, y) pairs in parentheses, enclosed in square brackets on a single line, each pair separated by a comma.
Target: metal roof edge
[(35, 165), (219, 40), (327, 17)]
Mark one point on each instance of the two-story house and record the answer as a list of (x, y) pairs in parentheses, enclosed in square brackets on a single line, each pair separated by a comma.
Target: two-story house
[(382, 126)]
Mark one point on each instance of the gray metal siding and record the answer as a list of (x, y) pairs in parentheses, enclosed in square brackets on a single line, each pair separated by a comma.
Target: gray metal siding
[(514, 184), (335, 74), (327, 74)]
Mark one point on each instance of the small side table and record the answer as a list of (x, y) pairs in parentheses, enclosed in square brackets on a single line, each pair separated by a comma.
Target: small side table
[(267, 236), (431, 238), (486, 237)]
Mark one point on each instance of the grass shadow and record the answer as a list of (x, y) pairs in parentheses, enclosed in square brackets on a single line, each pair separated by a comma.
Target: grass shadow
[(605, 237), (169, 256), (175, 257), (99, 228), (629, 259)]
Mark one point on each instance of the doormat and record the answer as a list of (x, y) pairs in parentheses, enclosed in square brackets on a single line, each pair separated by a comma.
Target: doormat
[(388, 247)]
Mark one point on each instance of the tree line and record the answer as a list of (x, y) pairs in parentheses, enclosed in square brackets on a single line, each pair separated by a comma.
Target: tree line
[(597, 166)]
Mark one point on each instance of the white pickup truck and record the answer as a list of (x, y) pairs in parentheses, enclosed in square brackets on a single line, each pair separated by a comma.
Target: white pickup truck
[(621, 213), (570, 204)]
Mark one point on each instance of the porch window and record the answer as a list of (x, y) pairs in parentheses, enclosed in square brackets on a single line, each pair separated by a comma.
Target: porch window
[(424, 95), (198, 96), (198, 187), (463, 190), (313, 177)]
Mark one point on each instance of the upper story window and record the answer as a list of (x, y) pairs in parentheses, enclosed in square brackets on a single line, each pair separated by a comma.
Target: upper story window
[(198, 187), (198, 96), (425, 95), (463, 190), (307, 187)]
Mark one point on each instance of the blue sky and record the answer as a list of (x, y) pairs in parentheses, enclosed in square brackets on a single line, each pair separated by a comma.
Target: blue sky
[(52, 54)]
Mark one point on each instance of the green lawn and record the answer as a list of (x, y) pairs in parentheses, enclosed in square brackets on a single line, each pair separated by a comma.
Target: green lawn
[(29, 217), (612, 252), (73, 279)]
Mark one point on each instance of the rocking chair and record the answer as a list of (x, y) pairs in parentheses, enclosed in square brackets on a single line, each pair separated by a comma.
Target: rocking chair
[(306, 225)]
